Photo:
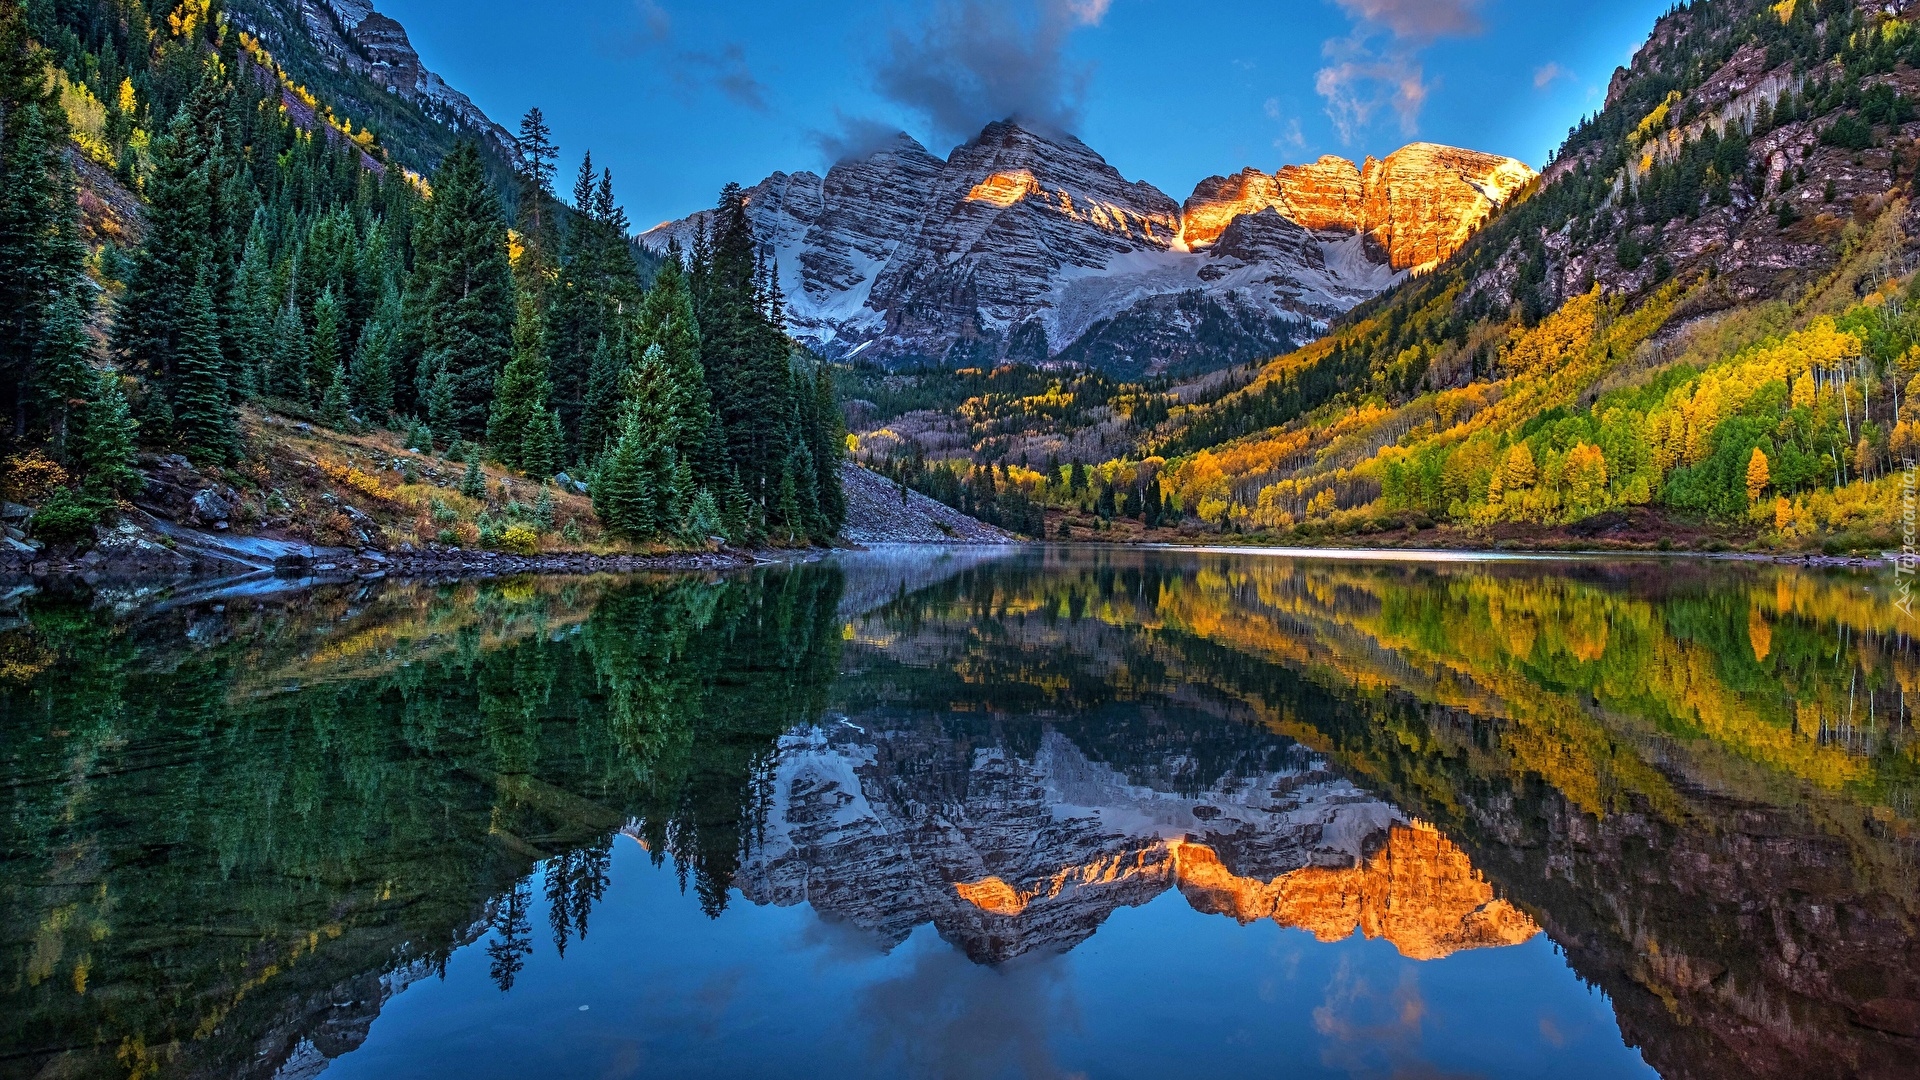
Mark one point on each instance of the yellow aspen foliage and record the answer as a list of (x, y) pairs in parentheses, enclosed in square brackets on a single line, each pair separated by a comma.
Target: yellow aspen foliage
[(1567, 332), (1782, 513), (1664, 443), (1908, 363), (1322, 503), (1518, 471), (1900, 440), (1759, 633), (1586, 475), (1757, 475), (188, 19), (1803, 395), (1702, 418), (1863, 457)]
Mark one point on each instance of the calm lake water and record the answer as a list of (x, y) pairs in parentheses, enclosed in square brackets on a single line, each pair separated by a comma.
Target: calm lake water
[(1045, 813)]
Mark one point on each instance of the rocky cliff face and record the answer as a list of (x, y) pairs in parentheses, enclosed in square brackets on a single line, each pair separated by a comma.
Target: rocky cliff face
[(1415, 209), (350, 36), (1007, 854), (1029, 247)]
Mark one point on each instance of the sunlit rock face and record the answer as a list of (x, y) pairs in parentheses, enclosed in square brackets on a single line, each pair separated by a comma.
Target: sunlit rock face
[(1027, 246), (1415, 209), (1419, 892), (1005, 854)]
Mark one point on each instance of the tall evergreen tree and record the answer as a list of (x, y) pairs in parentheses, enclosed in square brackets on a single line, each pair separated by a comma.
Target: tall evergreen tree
[(372, 369), (622, 496), (252, 333), (827, 439), (103, 442), (520, 395), (600, 414), (202, 419), (777, 434), (292, 349), (540, 450), (155, 312), (465, 284), (325, 362), (39, 249), (64, 373), (596, 282)]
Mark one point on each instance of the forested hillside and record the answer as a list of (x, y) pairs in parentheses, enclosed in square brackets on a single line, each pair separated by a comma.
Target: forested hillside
[(1699, 319), (190, 239)]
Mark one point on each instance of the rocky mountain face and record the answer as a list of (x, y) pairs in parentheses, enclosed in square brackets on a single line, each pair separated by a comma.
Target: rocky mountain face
[(349, 37), (1415, 209), (893, 825), (1029, 247)]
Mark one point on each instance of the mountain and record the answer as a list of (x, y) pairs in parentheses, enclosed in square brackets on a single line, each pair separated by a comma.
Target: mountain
[(369, 69), (1702, 321), (1023, 246), (1032, 852)]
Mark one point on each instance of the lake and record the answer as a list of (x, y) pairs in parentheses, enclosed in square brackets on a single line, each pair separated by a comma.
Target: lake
[(1043, 812)]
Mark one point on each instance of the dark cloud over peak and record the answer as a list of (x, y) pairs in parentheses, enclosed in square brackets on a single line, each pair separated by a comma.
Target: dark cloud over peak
[(972, 62)]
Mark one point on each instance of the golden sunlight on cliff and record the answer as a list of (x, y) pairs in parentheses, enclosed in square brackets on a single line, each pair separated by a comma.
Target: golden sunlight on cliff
[(1003, 189), (1210, 211), (1420, 893)]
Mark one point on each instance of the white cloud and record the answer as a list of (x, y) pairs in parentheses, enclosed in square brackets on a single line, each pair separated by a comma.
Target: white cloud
[(1549, 74), (1089, 12), (1376, 69)]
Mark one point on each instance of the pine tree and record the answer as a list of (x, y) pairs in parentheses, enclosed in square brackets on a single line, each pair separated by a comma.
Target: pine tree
[(520, 394), (543, 509), (827, 446), (64, 374), (600, 417), (253, 334), (155, 313), (621, 495), (704, 519), (202, 419), (325, 365), (442, 408), (537, 218), (787, 519), (103, 444), (40, 254), (473, 483), (372, 369), (741, 517), (336, 404), (767, 410), (666, 322), (465, 284), (287, 377), (540, 452)]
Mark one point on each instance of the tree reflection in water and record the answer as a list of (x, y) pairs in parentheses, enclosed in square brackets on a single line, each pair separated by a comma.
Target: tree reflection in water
[(227, 818)]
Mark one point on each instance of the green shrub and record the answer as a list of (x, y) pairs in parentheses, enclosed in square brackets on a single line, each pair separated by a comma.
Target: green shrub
[(66, 516)]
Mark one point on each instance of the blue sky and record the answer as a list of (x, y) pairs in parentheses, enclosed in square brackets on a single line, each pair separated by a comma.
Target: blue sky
[(681, 96)]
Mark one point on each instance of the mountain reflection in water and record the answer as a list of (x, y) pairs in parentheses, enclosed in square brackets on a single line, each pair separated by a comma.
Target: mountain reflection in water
[(960, 815)]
